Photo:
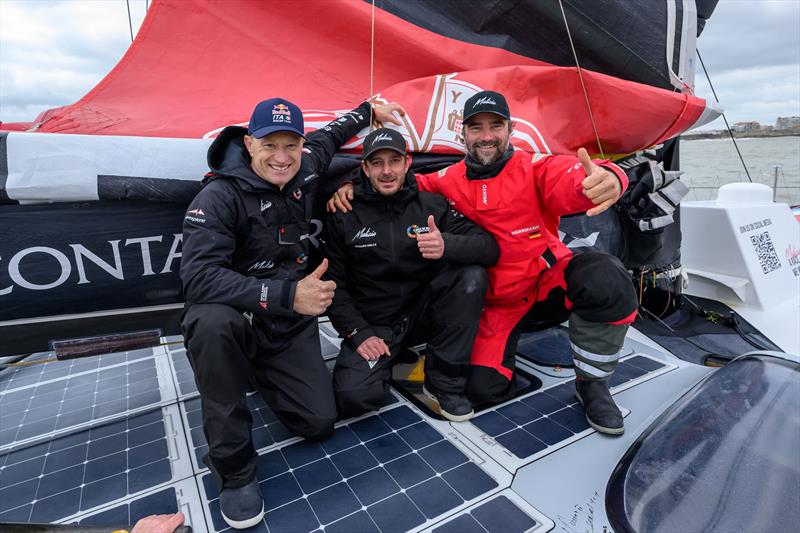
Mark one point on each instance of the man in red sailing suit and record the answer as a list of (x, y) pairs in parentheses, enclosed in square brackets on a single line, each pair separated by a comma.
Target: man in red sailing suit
[(519, 199)]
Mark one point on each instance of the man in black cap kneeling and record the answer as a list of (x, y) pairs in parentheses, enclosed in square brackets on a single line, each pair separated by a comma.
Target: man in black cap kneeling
[(251, 307), (538, 282), (408, 269)]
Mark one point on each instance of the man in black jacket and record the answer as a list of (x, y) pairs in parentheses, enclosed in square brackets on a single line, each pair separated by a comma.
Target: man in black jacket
[(250, 313), (401, 281)]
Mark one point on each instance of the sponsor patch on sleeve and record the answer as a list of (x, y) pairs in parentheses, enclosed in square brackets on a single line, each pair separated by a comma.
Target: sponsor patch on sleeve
[(195, 215)]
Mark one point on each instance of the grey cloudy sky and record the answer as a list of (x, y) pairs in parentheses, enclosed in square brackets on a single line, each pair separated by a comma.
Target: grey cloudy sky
[(53, 52)]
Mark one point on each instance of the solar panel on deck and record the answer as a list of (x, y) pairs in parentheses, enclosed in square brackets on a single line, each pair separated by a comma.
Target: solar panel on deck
[(329, 340), (385, 471), (267, 429), (633, 368), (549, 347), (390, 471), (547, 418), (328, 348), (25, 376), (184, 375), (77, 398), (498, 515), (161, 502), (65, 475)]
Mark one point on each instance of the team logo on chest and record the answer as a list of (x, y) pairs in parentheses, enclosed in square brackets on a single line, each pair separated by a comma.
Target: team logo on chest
[(413, 230), (364, 233), (261, 265), (297, 194)]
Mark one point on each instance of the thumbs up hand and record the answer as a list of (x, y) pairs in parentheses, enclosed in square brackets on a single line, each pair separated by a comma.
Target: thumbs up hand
[(600, 186), (313, 296), (431, 244)]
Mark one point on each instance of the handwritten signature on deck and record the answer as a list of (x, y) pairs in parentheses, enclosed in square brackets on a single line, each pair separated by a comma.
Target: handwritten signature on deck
[(582, 518)]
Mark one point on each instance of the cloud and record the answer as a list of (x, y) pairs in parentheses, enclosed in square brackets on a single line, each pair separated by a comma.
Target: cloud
[(54, 52), (759, 93), (751, 33), (752, 53)]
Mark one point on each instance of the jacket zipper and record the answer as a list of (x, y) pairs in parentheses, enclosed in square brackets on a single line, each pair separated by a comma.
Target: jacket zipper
[(395, 258)]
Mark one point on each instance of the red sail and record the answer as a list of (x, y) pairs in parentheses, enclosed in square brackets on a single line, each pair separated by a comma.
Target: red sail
[(197, 66)]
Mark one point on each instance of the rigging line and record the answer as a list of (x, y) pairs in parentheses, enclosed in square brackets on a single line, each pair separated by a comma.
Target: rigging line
[(580, 76), (678, 335), (732, 318), (130, 24), (372, 50), (723, 115)]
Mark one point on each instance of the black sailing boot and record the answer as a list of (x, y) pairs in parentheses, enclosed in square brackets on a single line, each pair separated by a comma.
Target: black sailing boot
[(601, 411), (242, 507), (452, 406)]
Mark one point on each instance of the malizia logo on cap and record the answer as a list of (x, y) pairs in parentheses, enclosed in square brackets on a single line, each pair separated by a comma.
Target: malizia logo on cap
[(382, 137), (484, 101)]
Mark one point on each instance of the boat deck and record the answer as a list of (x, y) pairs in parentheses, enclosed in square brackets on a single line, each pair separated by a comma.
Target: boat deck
[(109, 439)]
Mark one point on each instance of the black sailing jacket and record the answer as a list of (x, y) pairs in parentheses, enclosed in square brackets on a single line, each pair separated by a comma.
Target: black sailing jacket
[(246, 242), (374, 259)]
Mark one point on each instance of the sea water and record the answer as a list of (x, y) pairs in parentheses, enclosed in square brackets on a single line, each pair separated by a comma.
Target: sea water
[(710, 163)]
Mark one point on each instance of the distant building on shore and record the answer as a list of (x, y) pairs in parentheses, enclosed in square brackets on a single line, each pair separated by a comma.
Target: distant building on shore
[(785, 123), (746, 127)]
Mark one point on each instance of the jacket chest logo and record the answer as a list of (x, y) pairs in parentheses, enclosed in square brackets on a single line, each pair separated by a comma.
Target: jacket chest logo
[(364, 233), (262, 265), (265, 205), (532, 232), (413, 230), (297, 194), (486, 195)]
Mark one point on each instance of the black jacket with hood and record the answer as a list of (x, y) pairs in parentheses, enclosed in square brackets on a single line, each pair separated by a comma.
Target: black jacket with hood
[(374, 259), (245, 241)]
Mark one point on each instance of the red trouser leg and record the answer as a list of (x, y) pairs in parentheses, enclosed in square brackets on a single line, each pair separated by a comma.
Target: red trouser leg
[(594, 286)]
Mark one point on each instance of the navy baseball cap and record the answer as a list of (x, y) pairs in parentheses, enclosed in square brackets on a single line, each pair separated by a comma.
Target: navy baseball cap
[(275, 114), (384, 138), (486, 102)]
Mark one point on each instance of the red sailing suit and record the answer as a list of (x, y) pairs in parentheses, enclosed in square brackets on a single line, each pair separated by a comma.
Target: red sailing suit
[(521, 208)]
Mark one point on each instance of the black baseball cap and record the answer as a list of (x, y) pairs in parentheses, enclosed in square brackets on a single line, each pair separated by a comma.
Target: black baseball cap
[(384, 139), (486, 102), (273, 115)]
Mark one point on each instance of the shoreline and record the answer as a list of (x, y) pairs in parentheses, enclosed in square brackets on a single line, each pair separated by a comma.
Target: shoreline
[(794, 132)]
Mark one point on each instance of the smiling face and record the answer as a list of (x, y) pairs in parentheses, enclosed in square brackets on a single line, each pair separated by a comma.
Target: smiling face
[(275, 157), (386, 170), (486, 136)]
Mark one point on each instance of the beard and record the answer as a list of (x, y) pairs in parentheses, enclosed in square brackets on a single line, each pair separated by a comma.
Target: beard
[(483, 157)]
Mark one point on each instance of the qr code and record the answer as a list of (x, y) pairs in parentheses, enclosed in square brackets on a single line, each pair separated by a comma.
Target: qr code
[(767, 256)]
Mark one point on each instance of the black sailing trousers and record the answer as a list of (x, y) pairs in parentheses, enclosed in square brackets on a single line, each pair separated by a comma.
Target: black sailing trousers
[(228, 351), (445, 317)]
